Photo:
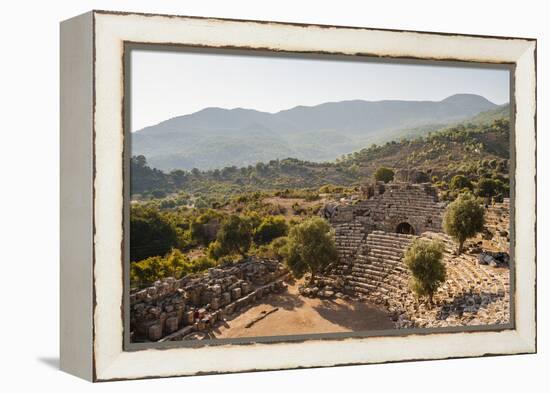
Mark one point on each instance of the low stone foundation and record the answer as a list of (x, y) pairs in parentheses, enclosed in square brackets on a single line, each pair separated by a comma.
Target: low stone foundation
[(173, 308)]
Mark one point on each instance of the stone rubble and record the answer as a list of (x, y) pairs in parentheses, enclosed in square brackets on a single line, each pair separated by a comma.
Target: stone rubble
[(495, 259), (172, 309), (497, 224)]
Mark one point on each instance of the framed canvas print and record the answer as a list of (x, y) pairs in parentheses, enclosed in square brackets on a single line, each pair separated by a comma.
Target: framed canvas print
[(247, 195)]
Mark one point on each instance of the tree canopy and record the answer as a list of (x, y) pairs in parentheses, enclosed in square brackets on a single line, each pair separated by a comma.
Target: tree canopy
[(235, 236), (463, 218), (150, 233), (310, 247), (459, 182), (487, 187), (384, 174), (270, 228), (424, 260)]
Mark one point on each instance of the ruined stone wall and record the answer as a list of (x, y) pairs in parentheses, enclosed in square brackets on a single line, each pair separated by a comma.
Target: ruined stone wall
[(173, 308), (371, 253), (387, 206)]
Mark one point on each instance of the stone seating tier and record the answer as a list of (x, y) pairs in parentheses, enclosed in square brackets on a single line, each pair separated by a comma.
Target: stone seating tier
[(471, 294)]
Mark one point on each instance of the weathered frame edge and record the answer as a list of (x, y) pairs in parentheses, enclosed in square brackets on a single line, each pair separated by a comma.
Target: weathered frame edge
[(76, 196)]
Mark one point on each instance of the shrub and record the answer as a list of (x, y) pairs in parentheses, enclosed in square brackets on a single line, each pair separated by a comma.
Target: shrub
[(487, 187), (279, 246), (424, 260), (420, 177), (384, 174), (175, 264), (463, 218), (204, 228), (235, 235), (270, 228), (309, 247), (215, 250), (459, 182), (151, 233), (201, 264)]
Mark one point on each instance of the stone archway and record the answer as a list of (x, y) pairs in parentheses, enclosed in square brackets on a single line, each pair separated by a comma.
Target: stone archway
[(405, 227)]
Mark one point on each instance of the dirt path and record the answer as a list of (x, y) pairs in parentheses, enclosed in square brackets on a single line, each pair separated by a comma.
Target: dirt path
[(300, 315)]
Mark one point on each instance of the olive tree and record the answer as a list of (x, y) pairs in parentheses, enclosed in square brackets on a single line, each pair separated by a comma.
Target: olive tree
[(234, 236), (488, 187), (384, 174), (309, 247), (459, 182), (424, 258), (463, 218)]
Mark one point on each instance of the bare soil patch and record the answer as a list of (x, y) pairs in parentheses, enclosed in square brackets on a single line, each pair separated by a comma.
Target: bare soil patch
[(301, 315)]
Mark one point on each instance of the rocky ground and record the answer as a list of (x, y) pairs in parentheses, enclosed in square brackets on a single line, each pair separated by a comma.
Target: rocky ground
[(475, 292)]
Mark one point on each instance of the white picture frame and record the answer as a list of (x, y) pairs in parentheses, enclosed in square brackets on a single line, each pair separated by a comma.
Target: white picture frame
[(93, 189)]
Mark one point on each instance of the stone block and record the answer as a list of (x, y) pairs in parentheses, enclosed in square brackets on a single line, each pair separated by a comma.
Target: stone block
[(154, 333), (213, 318), (216, 290), (225, 299), (236, 293), (206, 297), (194, 296), (215, 303), (155, 312), (246, 288), (188, 317), (171, 325), (228, 310), (151, 291)]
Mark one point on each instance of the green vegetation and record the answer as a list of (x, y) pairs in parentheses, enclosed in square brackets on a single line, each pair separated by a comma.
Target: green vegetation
[(424, 260), (309, 247), (459, 182), (384, 174), (475, 151), (489, 187), (270, 228), (181, 241), (183, 222), (463, 218), (235, 236), (175, 264), (150, 233)]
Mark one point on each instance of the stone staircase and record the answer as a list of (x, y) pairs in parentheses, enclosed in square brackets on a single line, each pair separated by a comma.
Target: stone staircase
[(348, 239), (377, 260), (472, 294)]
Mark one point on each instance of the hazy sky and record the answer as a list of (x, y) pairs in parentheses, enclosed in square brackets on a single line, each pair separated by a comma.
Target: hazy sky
[(169, 84)]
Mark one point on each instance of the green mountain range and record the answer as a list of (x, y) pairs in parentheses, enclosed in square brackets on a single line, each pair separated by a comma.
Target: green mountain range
[(468, 147), (216, 138)]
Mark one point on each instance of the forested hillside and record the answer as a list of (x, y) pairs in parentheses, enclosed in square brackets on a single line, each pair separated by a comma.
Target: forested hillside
[(438, 155), (216, 137), (178, 219)]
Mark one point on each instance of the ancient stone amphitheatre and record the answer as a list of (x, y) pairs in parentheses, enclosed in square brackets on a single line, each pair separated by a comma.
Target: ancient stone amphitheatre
[(365, 288)]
